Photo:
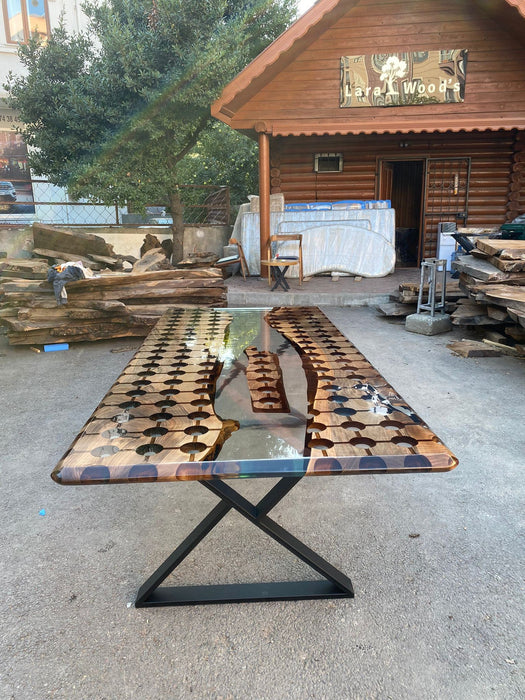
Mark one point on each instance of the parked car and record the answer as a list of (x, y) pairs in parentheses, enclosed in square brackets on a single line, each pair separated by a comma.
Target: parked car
[(7, 191)]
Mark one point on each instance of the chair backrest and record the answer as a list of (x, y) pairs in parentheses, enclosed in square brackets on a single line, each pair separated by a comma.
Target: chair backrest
[(273, 243), (287, 237), (277, 238)]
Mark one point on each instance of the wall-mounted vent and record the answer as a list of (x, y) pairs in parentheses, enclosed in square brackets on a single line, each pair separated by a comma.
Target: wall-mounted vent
[(328, 162)]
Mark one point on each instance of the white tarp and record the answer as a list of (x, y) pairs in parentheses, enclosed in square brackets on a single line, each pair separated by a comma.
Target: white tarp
[(358, 241)]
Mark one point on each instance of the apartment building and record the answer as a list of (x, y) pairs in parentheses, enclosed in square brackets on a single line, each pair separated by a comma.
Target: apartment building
[(20, 193)]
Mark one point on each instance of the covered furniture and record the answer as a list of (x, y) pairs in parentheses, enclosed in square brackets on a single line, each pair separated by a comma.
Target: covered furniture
[(354, 241)]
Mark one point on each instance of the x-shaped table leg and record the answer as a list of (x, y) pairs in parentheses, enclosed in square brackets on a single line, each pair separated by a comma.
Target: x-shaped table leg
[(279, 275), (334, 585)]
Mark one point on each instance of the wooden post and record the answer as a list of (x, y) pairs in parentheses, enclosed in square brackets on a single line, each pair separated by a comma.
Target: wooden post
[(264, 192)]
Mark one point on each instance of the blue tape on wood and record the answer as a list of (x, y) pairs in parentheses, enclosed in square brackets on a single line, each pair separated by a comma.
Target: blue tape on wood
[(56, 346)]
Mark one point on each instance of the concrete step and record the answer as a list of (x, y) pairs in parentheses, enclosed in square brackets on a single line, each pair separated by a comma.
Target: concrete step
[(239, 298)]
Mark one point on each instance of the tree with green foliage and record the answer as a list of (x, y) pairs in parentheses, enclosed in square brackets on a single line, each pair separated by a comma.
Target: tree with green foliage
[(112, 113), (223, 156)]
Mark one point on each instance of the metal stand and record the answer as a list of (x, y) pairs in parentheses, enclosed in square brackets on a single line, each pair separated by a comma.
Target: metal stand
[(437, 272), (334, 585)]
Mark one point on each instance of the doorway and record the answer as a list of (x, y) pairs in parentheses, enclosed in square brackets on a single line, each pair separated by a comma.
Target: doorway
[(402, 182)]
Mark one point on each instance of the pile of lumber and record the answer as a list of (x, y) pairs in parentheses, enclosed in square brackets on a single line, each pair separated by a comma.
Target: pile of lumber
[(113, 305), (493, 277), (405, 302)]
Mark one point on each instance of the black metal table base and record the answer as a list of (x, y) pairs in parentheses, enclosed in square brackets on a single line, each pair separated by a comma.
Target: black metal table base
[(334, 585), (279, 276)]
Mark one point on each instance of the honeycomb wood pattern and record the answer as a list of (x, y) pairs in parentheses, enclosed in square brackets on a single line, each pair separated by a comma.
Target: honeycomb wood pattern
[(158, 421), (160, 409), (352, 410), (265, 381)]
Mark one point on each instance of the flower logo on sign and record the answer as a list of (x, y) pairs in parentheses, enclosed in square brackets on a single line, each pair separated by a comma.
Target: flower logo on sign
[(392, 69)]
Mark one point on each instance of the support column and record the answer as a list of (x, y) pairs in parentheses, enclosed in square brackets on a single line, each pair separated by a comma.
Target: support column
[(264, 192)]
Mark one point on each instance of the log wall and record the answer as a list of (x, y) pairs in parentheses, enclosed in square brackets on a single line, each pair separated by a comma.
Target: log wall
[(497, 183)]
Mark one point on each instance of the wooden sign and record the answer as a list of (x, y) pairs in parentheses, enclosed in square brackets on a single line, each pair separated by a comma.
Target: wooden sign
[(403, 79)]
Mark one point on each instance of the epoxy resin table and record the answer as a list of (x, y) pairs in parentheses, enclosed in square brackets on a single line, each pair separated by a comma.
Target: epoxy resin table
[(226, 393)]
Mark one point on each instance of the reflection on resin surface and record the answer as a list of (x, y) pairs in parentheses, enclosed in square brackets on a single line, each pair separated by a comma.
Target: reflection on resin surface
[(249, 392)]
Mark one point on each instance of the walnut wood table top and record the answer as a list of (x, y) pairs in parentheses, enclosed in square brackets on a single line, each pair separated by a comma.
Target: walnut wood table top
[(223, 393)]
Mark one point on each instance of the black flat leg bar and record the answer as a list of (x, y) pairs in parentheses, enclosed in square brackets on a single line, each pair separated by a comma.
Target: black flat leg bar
[(279, 275), (334, 585)]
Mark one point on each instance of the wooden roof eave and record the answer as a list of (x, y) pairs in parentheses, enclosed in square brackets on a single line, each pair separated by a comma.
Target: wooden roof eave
[(410, 126), (279, 54), (368, 125)]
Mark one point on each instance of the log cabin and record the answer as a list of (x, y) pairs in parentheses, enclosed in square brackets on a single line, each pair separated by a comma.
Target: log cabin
[(420, 102)]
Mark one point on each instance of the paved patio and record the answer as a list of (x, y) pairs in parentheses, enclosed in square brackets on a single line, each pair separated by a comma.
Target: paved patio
[(319, 290)]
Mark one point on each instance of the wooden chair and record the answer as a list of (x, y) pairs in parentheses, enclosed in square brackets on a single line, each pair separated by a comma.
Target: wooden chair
[(233, 259), (280, 260)]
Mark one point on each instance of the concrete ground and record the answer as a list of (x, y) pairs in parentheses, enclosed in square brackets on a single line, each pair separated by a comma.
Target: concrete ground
[(437, 560)]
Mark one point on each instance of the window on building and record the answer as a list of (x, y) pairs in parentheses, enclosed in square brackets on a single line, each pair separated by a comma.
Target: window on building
[(23, 18)]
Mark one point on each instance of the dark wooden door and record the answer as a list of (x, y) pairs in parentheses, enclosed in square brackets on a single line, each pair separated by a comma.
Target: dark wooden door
[(386, 180)]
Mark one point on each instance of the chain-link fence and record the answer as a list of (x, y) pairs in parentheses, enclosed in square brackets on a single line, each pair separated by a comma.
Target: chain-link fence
[(202, 205), (25, 201)]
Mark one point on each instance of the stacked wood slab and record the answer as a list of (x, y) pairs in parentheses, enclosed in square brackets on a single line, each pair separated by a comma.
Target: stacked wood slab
[(110, 305), (405, 303), (493, 276), (14, 268)]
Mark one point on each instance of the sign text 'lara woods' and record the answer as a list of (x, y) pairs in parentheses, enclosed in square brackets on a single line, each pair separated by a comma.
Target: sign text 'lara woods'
[(405, 78)]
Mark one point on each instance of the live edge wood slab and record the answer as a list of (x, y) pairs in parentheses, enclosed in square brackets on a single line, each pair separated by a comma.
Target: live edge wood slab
[(193, 404)]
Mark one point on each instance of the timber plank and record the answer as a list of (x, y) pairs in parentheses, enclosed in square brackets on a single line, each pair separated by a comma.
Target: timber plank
[(518, 316), (505, 249), (50, 237), (507, 265), (473, 348), (505, 295), (59, 256), (23, 268), (396, 309), (472, 315), (65, 312), (497, 313), (485, 271), (41, 336)]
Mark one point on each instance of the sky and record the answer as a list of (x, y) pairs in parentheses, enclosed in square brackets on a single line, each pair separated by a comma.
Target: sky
[(303, 5)]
